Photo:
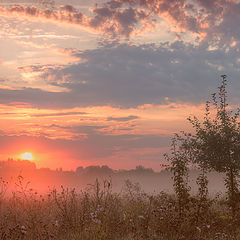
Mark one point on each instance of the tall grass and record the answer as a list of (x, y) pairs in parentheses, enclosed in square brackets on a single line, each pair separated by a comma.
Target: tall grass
[(98, 213)]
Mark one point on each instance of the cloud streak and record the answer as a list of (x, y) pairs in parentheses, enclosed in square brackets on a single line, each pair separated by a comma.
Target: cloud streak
[(58, 114), (123, 119)]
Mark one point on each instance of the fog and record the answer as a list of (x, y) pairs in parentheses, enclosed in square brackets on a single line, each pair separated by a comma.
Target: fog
[(24, 176)]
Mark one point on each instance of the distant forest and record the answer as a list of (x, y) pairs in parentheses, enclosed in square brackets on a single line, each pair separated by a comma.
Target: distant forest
[(43, 179)]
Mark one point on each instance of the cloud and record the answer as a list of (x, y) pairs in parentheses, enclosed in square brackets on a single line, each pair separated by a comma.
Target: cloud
[(103, 20), (201, 17), (58, 114), (131, 76), (81, 129), (101, 145), (228, 30), (205, 19), (123, 119), (35, 97)]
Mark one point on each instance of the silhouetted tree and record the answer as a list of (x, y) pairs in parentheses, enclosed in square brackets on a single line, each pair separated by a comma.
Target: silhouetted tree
[(215, 145), (179, 167)]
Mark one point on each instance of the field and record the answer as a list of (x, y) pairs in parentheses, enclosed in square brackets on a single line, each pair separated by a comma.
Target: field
[(99, 213)]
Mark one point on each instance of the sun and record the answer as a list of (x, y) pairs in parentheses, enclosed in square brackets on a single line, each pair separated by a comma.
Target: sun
[(27, 156)]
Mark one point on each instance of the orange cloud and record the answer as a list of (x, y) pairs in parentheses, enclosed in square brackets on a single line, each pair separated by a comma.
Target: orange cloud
[(126, 18), (79, 123), (104, 20)]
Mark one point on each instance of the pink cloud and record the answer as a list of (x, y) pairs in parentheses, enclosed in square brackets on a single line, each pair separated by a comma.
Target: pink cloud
[(208, 20), (103, 20), (125, 18)]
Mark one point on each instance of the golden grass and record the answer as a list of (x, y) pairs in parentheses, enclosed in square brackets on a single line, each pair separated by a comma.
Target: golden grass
[(99, 214)]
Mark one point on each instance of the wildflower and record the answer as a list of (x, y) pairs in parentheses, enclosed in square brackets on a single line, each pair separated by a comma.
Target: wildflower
[(198, 228), (56, 223), (100, 209), (95, 218), (221, 236), (93, 215), (23, 230), (97, 221)]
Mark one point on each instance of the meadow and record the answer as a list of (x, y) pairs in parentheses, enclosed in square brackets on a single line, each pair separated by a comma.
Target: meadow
[(99, 213)]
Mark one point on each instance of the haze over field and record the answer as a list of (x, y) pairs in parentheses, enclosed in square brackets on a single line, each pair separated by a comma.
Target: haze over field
[(109, 82), (44, 179)]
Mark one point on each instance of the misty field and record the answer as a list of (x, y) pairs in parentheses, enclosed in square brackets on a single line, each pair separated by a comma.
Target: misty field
[(99, 213)]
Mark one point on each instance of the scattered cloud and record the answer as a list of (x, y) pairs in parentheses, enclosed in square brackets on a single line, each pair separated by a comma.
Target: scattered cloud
[(209, 20), (104, 20)]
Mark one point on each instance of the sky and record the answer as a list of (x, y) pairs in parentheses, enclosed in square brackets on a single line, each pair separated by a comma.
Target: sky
[(109, 82)]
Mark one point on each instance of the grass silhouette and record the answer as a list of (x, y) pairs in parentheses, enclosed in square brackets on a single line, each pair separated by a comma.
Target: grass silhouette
[(98, 213)]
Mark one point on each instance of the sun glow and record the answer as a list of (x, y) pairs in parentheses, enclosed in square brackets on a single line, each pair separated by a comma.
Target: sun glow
[(27, 156)]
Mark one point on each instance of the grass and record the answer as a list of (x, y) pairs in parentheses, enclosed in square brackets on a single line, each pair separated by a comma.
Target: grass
[(99, 214)]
